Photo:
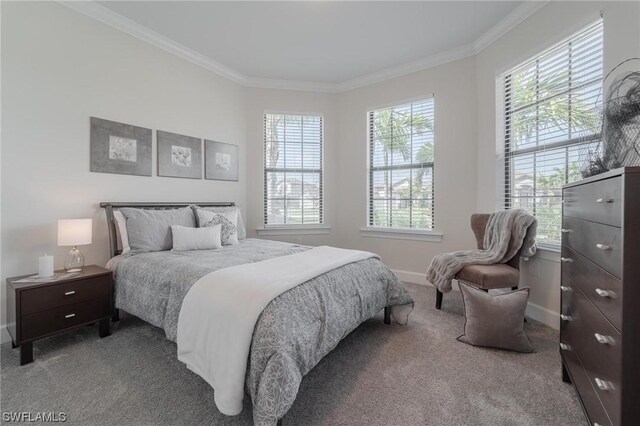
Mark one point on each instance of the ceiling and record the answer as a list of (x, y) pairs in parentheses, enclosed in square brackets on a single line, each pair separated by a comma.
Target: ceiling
[(323, 43)]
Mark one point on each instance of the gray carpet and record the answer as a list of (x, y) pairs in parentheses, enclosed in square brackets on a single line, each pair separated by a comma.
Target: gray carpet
[(379, 375)]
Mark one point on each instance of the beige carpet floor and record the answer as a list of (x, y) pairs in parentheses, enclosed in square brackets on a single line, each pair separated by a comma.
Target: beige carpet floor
[(378, 375)]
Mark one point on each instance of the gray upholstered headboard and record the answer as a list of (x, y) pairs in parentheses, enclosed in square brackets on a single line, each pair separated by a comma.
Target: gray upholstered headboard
[(111, 221)]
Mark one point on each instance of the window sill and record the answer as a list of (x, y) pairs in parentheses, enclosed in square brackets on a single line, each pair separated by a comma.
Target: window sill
[(401, 234), (294, 230), (550, 253)]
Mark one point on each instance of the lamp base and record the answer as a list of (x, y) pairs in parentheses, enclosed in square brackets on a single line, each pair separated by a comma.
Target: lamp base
[(74, 260)]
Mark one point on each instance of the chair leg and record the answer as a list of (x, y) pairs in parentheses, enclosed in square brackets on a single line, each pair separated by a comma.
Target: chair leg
[(438, 299)]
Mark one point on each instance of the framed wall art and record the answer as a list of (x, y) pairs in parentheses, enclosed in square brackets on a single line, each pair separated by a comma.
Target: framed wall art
[(221, 161), (179, 155), (120, 148)]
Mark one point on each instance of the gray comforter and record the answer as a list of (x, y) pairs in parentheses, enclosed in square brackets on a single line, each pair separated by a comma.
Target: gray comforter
[(294, 332)]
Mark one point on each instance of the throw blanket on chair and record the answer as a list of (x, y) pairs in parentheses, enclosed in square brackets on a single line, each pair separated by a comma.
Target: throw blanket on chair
[(507, 231)]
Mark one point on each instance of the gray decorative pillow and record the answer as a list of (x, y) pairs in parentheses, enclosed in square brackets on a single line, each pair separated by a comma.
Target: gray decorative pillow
[(242, 232), (228, 231), (495, 321), (150, 230)]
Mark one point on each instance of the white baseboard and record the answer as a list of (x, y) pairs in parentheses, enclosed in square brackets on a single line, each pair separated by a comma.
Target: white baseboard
[(536, 312), (4, 335), (544, 315)]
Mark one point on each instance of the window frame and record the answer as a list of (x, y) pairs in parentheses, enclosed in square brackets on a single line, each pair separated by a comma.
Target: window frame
[(270, 229), (404, 233), (508, 153)]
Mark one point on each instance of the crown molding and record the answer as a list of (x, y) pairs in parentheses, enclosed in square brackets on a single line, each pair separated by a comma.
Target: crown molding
[(507, 23), (407, 68), (108, 17), (115, 20)]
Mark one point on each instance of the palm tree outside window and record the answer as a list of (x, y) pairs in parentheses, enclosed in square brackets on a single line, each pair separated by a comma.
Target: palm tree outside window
[(550, 118), (400, 169)]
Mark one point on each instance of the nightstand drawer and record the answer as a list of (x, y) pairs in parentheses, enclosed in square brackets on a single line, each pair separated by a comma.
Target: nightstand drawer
[(57, 319), (44, 298)]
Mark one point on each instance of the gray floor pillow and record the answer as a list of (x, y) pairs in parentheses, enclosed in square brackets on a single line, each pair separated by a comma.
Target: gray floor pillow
[(495, 321)]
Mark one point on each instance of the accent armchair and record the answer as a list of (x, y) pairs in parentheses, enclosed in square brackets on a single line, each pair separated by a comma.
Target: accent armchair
[(486, 277)]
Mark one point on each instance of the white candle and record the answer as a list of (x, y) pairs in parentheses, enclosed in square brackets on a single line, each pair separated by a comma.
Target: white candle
[(45, 266)]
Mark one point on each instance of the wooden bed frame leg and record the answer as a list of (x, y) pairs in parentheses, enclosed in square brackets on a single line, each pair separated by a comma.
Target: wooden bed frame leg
[(387, 315), (116, 315), (438, 299)]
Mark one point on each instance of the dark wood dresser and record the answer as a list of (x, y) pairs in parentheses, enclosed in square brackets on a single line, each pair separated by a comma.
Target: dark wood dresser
[(36, 310), (600, 316)]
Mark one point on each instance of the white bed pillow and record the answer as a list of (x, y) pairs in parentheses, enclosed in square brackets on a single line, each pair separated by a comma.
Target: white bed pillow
[(186, 238), (122, 231), (242, 232), (228, 220)]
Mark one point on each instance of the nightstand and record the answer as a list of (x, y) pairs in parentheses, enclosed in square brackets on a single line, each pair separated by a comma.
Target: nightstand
[(36, 310)]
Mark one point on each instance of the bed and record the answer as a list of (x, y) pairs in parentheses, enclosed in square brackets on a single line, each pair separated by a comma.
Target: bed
[(293, 332)]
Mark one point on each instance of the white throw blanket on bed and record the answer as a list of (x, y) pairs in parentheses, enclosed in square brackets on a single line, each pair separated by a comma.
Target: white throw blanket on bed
[(220, 311), (506, 232)]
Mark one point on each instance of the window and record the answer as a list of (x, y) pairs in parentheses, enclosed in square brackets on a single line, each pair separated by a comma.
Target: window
[(401, 166), (550, 120), (292, 169)]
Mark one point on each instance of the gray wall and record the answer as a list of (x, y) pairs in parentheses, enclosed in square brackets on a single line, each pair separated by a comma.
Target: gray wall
[(60, 67)]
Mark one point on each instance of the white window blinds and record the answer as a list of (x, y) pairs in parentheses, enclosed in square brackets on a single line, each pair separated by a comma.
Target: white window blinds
[(292, 169), (550, 116), (401, 166)]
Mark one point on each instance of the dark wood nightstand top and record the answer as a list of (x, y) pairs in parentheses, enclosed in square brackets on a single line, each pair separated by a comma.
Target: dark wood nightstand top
[(90, 271)]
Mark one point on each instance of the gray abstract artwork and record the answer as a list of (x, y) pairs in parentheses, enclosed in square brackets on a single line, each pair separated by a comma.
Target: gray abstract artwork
[(120, 148), (179, 155), (221, 161)]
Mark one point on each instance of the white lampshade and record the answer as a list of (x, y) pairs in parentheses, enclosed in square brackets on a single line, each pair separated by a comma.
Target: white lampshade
[(74, 232)]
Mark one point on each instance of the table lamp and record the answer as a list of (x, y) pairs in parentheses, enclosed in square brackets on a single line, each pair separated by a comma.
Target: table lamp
[(74, 232)]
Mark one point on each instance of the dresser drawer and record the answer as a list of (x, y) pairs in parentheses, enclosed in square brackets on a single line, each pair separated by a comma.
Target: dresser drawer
[(597, 201), (590, 401), (602, 288), (42, 323), (43, 298), (583, 327), (599, 243)]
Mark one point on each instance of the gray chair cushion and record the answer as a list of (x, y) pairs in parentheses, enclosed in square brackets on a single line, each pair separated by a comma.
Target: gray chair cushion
[(495, 321), (498, 275), (150, 230)]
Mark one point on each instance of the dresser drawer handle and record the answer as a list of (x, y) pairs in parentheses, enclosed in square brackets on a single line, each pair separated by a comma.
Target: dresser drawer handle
[(565, 288), (603, 246), (564, 317), (604, 340), (605, 293), (566, 231), (69, 293), (566, 259), (604, 200), (603, 384), (565, 347), (70, 316)]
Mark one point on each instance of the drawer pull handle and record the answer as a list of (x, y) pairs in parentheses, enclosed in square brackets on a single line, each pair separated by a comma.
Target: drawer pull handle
[(566, 231), (565, 347), (564, 317), (70, 316), (604, 200), (604, 340), (603, 384), (565, 288), (603, 246), (605, 293), (566, 259), (69, 293)]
